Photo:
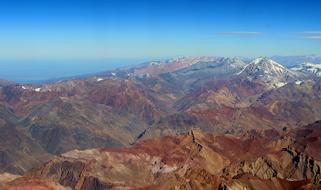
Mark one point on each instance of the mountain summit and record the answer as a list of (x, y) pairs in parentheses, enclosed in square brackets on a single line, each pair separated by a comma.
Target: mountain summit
[(308, 68), (268, 71), (191, 123)]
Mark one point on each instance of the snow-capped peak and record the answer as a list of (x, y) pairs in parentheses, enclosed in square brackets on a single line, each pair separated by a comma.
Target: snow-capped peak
[(258, 60), (268, 71), (265, 66), (234, 60), (313, 65), (266, 61), (310, 68)]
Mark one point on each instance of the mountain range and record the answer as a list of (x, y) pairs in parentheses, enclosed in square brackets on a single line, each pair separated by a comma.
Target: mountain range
[(184, 123)]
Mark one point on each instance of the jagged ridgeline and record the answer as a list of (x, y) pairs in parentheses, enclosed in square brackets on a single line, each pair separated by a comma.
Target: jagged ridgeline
[(186, 123)]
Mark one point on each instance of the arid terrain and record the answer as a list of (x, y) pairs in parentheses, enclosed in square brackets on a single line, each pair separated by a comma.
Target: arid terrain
[(186, 123)]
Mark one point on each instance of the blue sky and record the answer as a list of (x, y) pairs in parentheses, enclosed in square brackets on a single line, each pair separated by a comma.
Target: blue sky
[(97, 29)]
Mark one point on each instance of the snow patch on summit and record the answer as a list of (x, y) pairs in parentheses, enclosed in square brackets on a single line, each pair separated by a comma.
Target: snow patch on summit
[(298, 82), (309, 68), (280, 84), (269, 72)]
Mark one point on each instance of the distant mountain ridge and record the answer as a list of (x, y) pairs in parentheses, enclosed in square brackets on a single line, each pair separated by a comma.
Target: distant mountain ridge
[(290, 61), (161, 66), (121, 108), (308, 68)]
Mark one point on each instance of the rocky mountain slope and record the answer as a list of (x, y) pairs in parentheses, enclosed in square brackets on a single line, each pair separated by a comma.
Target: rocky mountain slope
[(84, 118), (72, 115), (268, 72), (257, 159)]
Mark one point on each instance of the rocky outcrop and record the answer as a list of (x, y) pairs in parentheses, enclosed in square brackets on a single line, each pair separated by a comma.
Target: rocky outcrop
[(254, 160), (256, 129), (26, 183)]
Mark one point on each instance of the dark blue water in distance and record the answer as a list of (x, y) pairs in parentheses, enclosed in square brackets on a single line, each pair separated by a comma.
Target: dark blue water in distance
[(37, 71)]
